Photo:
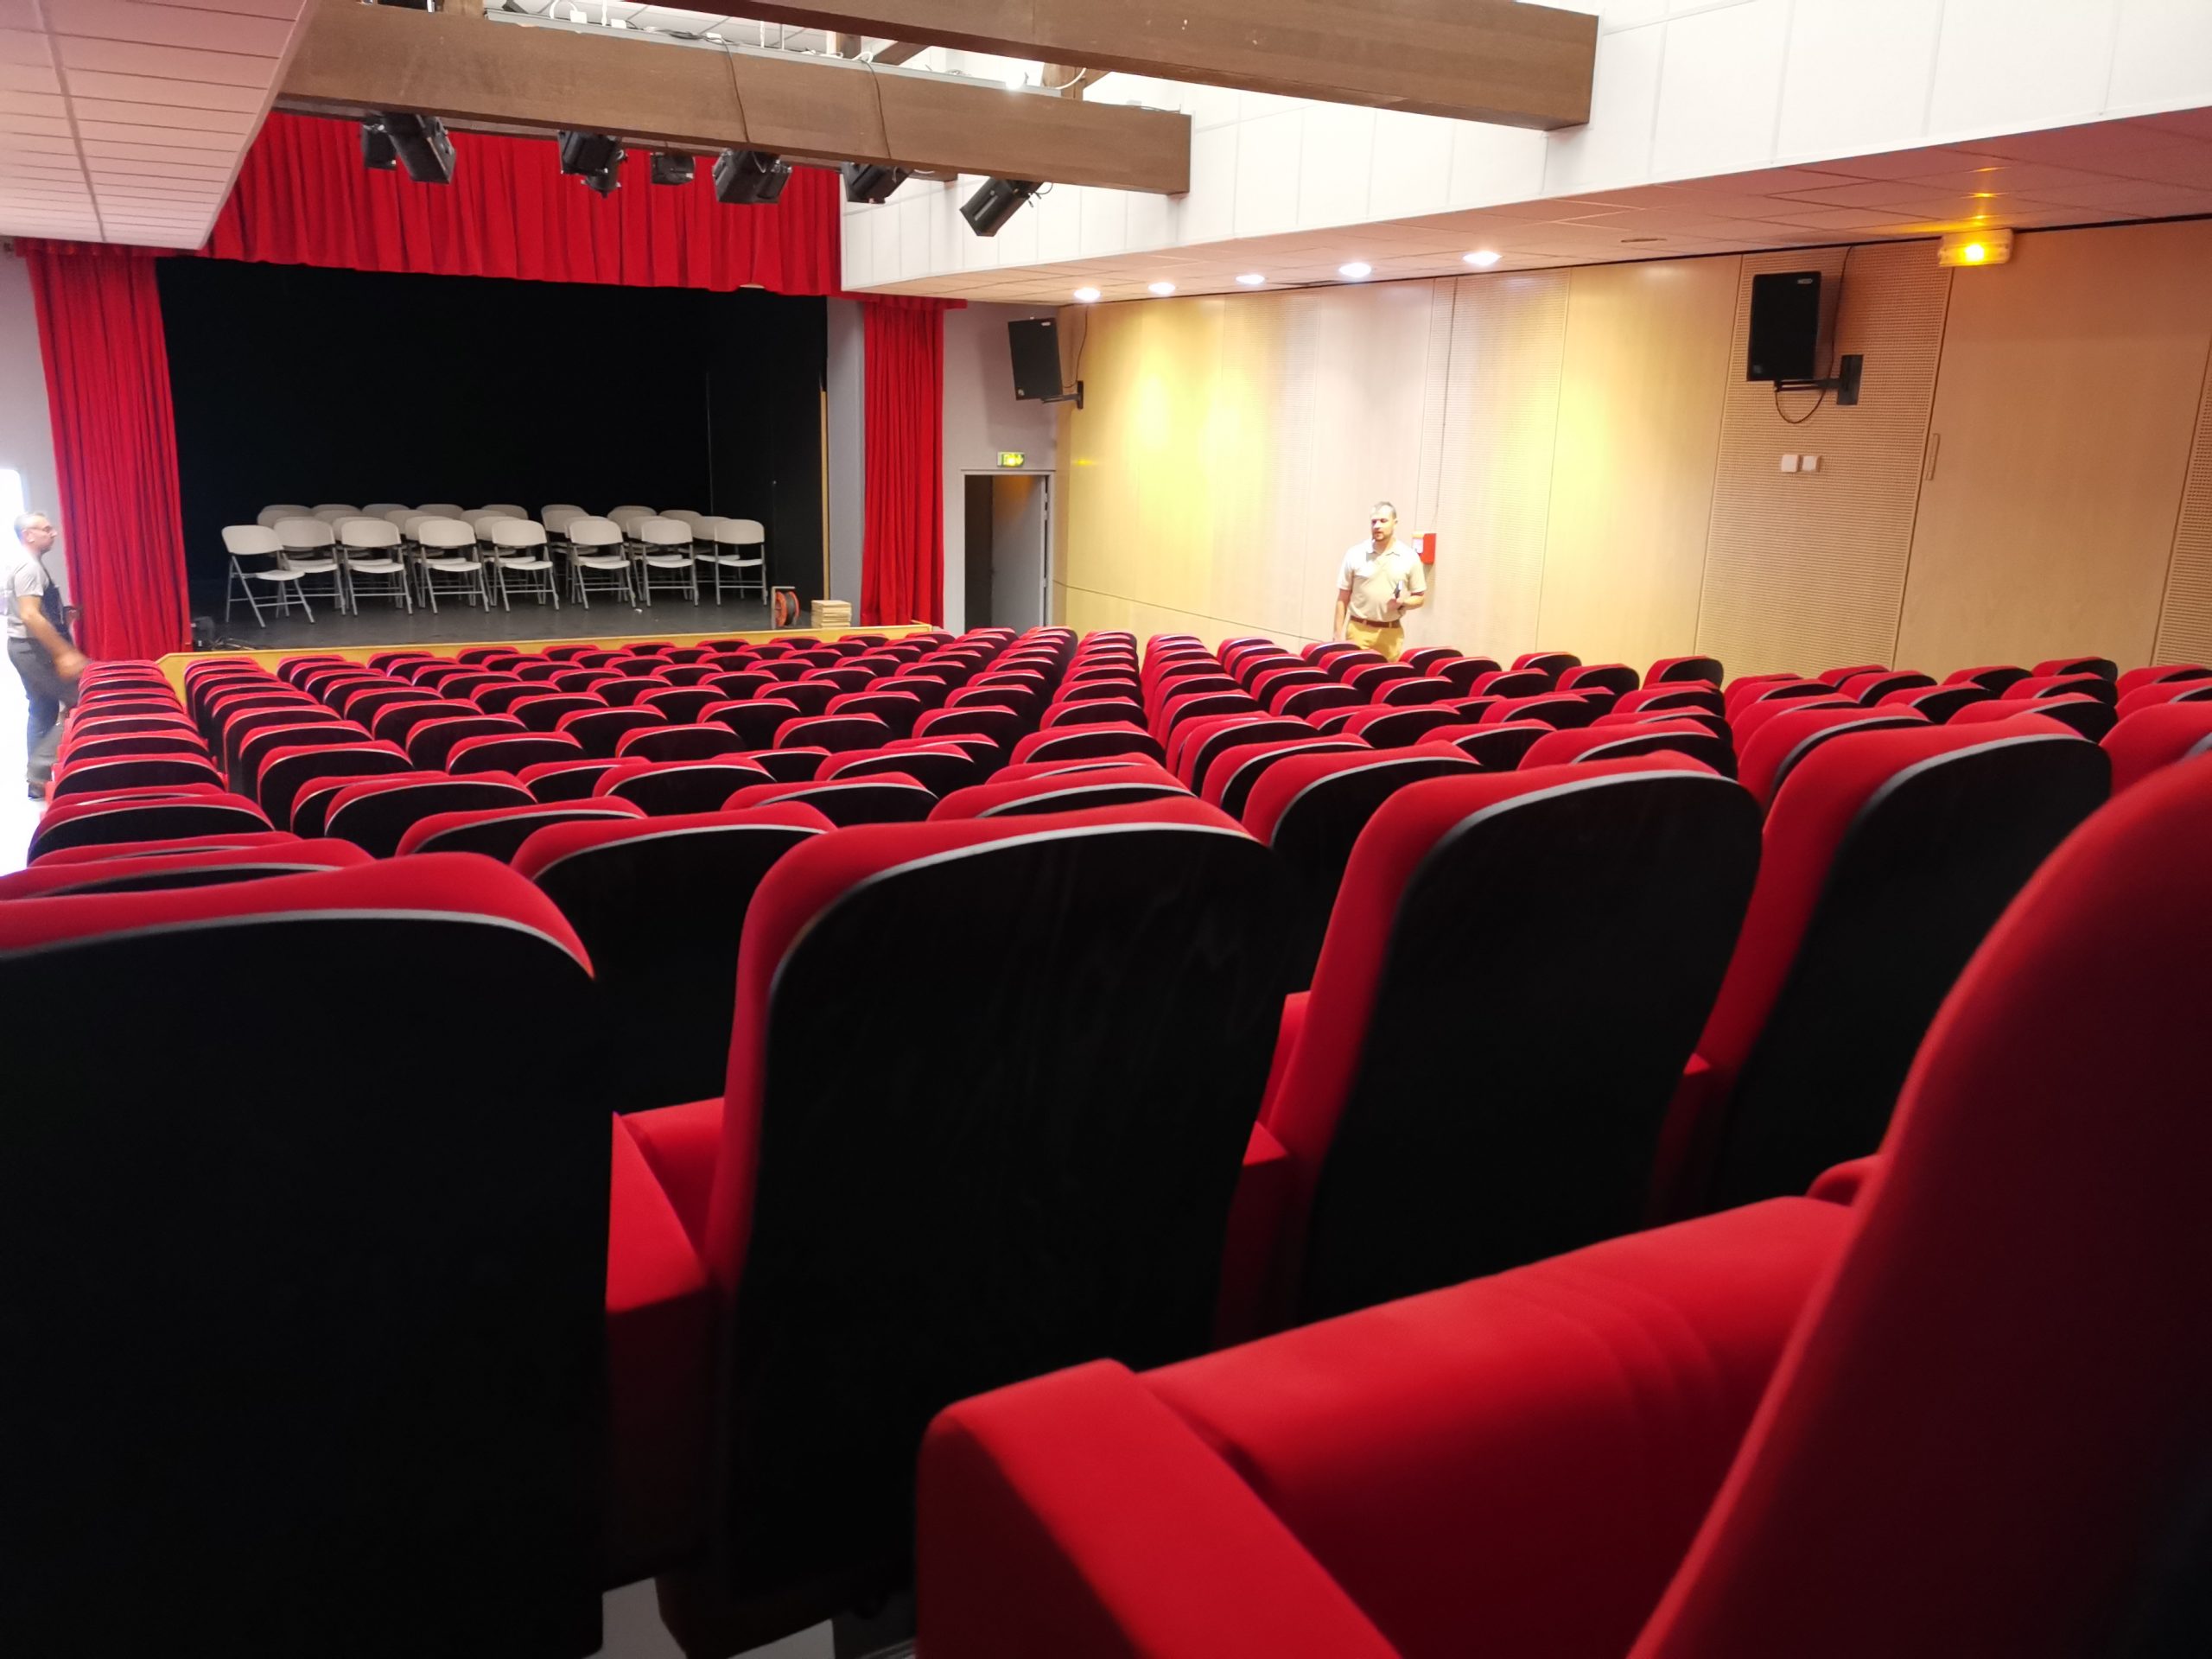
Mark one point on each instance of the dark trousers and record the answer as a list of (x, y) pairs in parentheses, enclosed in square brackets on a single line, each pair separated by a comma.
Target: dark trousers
[(48, 694)]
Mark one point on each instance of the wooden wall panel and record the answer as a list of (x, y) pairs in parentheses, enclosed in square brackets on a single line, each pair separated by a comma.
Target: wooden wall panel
[(1807, 570), (1494, 472), (2064, 410), (2185, 620), (1639, 426)]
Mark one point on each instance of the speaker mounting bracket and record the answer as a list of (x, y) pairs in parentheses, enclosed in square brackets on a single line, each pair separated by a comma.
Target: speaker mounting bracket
[(1844, 383)]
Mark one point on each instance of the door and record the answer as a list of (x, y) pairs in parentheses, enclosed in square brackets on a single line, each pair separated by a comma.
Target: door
[(1018, 529)]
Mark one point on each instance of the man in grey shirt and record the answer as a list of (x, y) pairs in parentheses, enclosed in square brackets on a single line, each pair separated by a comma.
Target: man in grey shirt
[(38, 641)]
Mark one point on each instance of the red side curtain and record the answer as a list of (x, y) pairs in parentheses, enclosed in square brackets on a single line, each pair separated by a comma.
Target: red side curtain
[(107, 389), (902, 557), (304, 198)]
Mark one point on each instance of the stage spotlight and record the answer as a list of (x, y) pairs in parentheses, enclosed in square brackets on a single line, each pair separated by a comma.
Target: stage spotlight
[(872, 181), (671, 168), (376, 146), (995, 203), (421, 143), (744, 177), (594, 157)]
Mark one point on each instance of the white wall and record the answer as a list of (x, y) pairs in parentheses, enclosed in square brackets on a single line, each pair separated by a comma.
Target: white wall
[(847, 386), (1684, 89), (26, 441), (981, 418)]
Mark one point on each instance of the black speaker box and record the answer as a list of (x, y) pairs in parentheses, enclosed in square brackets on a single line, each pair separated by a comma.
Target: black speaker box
[(1789, 327), (1036, 347)]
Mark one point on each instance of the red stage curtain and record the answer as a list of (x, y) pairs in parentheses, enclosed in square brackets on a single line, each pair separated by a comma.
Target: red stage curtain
[(304, 198), (902, 557), (107, 390)]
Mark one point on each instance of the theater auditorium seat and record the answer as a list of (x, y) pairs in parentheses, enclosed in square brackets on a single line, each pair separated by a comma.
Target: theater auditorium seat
[(326, 1374), (878, 797), (1774, 750), (668, 789), (1888, 856), (497, 831), (1418, 1162), (1061, 1192), (1311, 808), (1079, 792), (660, 907), (146, 867), (1565, 1460), (153, 815), (1595, 743), (2155, 737), (374, 813)]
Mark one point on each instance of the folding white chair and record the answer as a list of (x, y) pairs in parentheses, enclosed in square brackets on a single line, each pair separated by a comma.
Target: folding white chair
[(483, 518), (443, 510), (556, 518), (384, 509), (696, 522), (244, 542), (667, 551), (311, 549), (269, 517), (630, 518), (369, 547), (449, 549), (739, 545), (595, 545), (334, 513), (518, 546), (507, 510)]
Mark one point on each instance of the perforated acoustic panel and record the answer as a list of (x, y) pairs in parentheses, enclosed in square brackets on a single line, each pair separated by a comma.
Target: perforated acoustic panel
[(1806, 571), (2185, 620)]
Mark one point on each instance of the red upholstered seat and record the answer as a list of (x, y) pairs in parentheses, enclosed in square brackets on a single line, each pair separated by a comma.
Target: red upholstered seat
[(512, 752), (145, 866), (756, 720), (1750, 716), (98, 821), (375, 812), (2102, 667), (1384, 726), (1551, 709), (1311, 808), (1238, 769), (600, 730), (1412, 1168), (431, 743), (2156, 737), (1888, 856), (375, 1286), (241, 841), (564, 780), (979, 1227), (1511, 683), (2077, 684), (1087, 742), (1936, 703), (1511, 1466), (1059, 793), (1869, 688), (615, 882), (1494, 748), (878, 797), (2090, 717), (1776, 747), (1839, 677), (1551, 663), (98, 777), (1564, 1460), (678, 788), (2153, 693), (1685, 737), (939, 767), (2162, 673), (497, 831), (702, 743)]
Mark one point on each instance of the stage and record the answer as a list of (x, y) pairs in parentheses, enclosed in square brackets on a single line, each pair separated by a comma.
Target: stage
[(385, 627)]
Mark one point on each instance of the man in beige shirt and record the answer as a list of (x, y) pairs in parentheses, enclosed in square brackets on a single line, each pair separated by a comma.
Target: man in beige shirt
[(1381, 580)]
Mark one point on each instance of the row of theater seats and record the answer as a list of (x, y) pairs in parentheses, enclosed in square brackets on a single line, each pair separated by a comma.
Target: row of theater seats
[(1074, 1114)]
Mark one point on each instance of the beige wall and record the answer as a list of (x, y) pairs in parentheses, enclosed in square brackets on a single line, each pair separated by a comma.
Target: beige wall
[(1602, 480)]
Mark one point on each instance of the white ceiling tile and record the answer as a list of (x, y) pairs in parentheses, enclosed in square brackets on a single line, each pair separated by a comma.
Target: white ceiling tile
[(1336, 164), (165, 25), (2091, 144), (19, 79), (1615, 147), (2129, 196), (1833, 219), (121, 151), (2194, 123), (24, 45), (32, 144), (163, 62), (1857, 75), (229, 126), (1719, 87), (2004, 177), (151, 132), (1412, 165), (1207, 212), (286, 9), (1492, 163), (2159, 55), (1997, 68), (2179, 164), (150, 89)]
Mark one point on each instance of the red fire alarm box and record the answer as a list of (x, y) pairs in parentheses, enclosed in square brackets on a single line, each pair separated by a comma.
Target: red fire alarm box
[(1429, 548)]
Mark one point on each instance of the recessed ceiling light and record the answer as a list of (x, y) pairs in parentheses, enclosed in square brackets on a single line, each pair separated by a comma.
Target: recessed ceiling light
[(1483, 258), (1086, 295), (1251, 279), (1356, 269), (1163, 289), (1016, 80)]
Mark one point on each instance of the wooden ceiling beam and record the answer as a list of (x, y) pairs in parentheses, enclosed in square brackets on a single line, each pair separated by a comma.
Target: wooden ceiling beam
[(1495, 60), (478, 73)]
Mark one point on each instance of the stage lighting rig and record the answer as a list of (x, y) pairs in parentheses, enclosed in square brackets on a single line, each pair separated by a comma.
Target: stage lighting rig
[(421, 143), (593, 157), (873, 181), (744, 177), (672, 166), (995, 203)]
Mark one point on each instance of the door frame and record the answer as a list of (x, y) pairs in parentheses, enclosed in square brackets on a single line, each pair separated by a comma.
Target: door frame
[(1049, 474)]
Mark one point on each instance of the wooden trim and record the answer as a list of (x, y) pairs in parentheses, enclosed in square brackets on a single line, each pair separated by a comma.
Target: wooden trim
[(478, 73), (1494, 61)]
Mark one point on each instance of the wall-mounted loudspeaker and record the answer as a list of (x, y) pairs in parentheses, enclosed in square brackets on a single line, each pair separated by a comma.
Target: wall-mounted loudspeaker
[(1789, 327), (1036, 347)]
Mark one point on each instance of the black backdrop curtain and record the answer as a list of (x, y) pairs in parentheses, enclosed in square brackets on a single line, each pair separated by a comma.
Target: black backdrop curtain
[(297, 383)]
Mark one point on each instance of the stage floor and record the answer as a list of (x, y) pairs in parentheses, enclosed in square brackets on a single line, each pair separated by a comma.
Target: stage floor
[(383, 624)]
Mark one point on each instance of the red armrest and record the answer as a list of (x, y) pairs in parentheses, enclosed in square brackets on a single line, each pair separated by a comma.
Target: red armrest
[(660, 1325), (1127, 1535), (1846, 1182), (1245, 1306)]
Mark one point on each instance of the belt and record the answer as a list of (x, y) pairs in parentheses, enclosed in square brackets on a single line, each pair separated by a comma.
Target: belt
[(1370, 622)]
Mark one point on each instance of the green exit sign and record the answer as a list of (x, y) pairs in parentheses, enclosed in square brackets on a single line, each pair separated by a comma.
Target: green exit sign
[(1012, 458)]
